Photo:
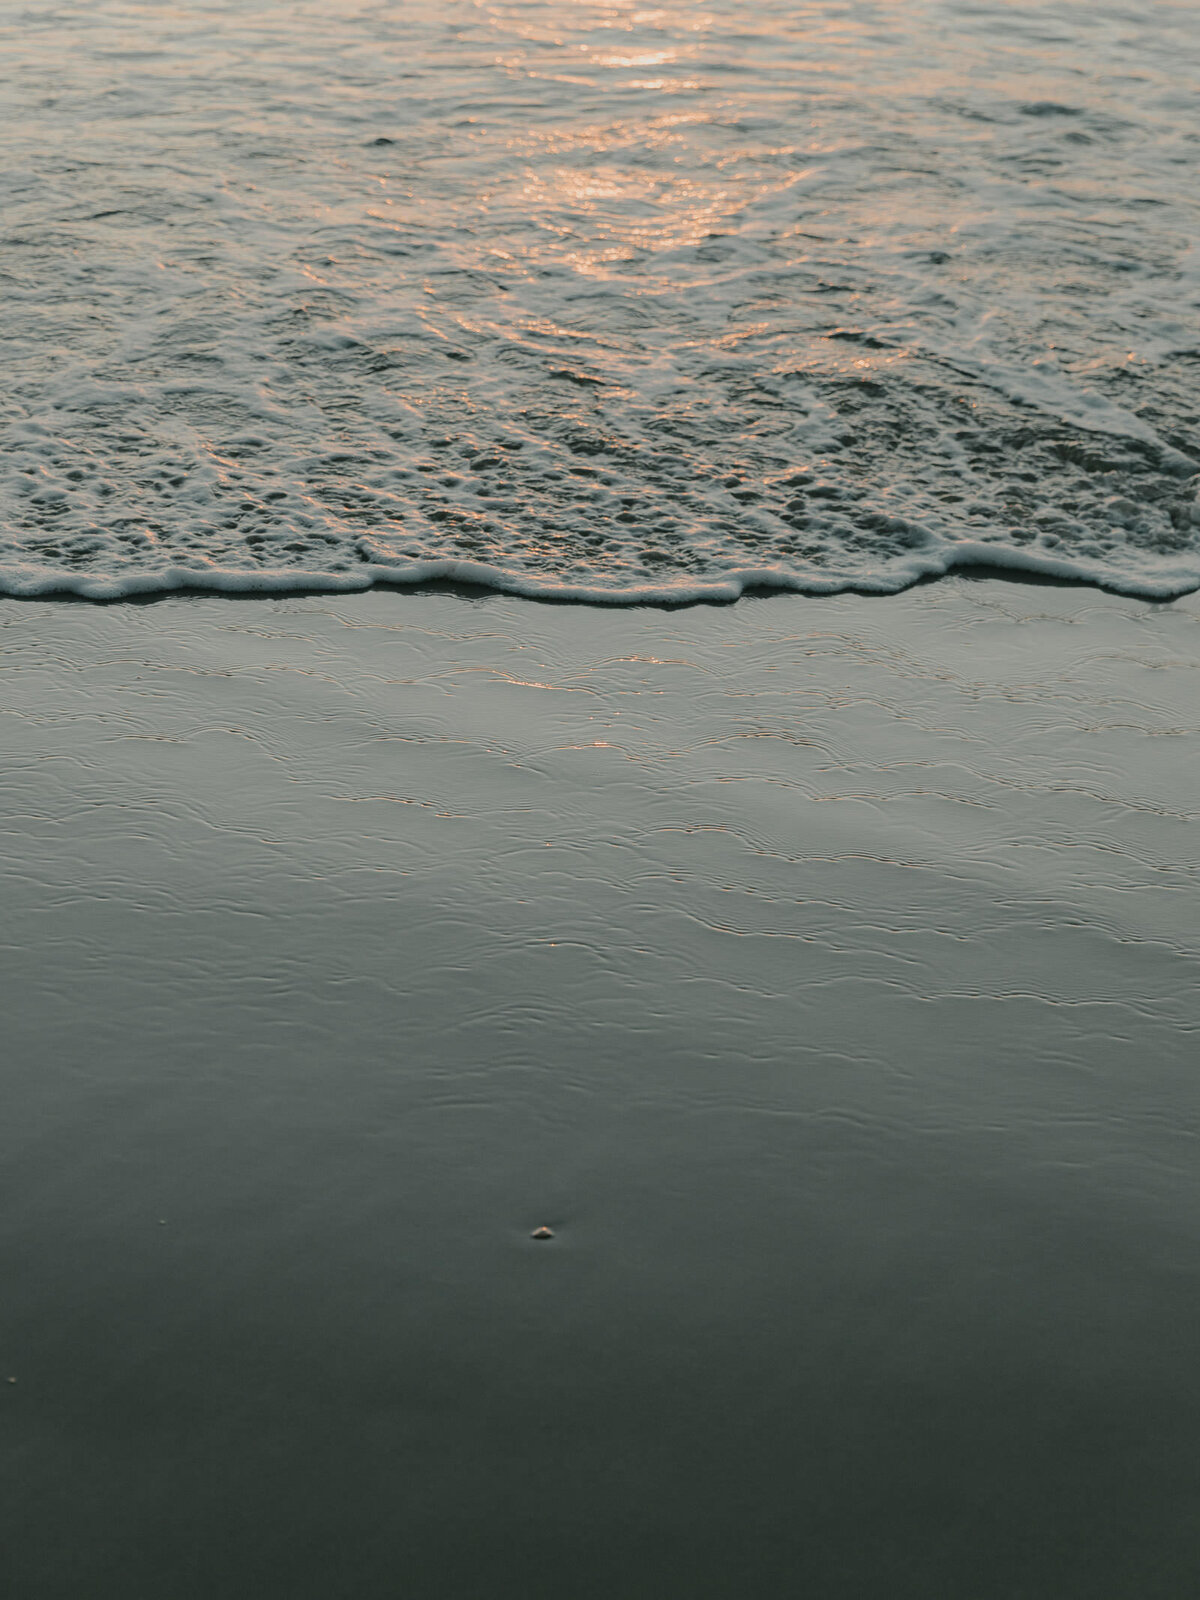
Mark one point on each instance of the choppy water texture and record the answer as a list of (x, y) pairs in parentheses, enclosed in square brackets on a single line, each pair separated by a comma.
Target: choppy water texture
[(599, 298)]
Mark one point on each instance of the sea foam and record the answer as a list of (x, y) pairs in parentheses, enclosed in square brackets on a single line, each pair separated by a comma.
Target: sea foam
[(585, 302)]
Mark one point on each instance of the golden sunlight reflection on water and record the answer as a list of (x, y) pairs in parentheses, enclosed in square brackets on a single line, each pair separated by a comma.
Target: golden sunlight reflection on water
[(644, 300)]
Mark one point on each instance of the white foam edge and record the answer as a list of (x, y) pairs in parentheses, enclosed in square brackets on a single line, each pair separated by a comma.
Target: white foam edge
[(22, 580)]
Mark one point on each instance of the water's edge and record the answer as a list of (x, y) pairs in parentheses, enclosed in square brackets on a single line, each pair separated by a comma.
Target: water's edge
[(969, 558)]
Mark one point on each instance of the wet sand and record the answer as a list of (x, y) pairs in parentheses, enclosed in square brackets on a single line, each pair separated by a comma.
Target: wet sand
[(821, 971)]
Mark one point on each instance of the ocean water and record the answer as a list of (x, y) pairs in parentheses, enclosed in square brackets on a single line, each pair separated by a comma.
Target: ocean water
[(598, 298)]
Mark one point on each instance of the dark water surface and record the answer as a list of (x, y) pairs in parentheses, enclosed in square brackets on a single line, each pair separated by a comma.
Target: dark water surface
[(823, 973)]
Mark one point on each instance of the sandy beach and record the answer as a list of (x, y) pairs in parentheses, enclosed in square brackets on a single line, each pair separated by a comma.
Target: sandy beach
[(821, 971)]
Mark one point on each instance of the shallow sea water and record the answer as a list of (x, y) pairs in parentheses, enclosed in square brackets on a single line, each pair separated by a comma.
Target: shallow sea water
[(600, 297), (821, 971)]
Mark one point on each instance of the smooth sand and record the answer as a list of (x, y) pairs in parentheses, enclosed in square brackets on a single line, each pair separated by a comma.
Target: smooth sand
[(823, 972)]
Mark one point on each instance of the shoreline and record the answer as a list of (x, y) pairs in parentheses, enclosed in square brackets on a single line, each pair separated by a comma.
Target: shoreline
[(283, 583)]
